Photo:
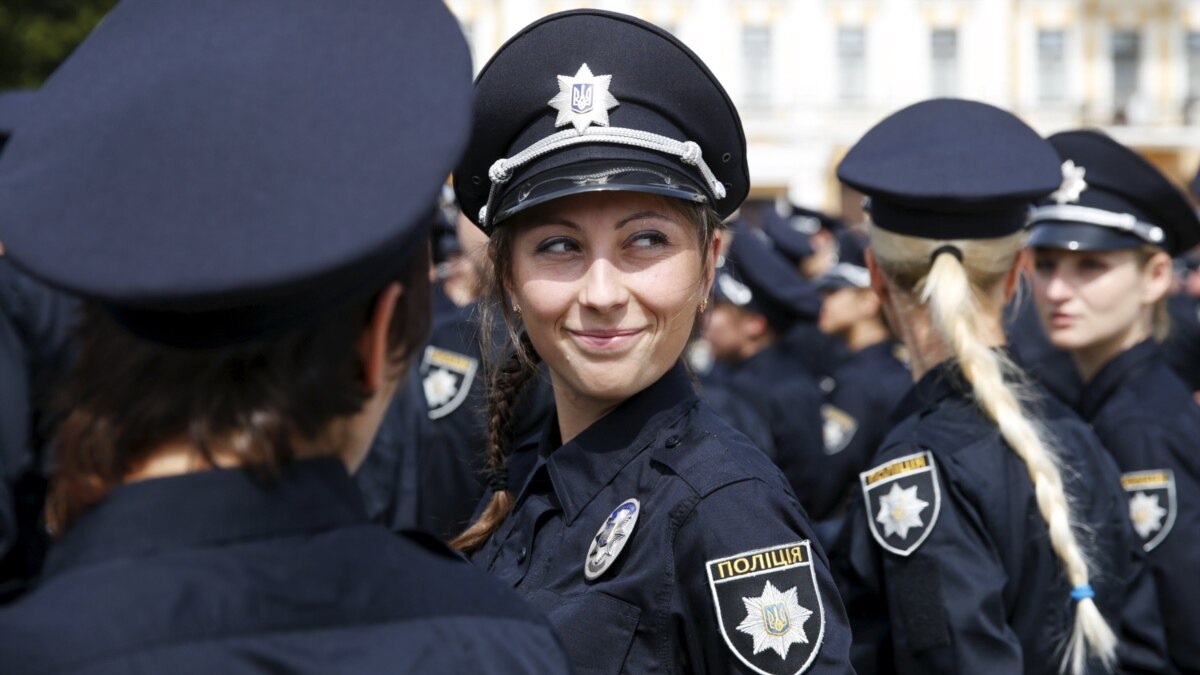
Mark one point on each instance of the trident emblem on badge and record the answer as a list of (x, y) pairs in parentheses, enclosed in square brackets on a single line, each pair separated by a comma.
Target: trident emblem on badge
[(581, 98), (776, 619)]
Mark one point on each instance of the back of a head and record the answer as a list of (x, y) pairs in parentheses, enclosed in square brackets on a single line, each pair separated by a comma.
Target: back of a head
[(950, 185), (230, 184)]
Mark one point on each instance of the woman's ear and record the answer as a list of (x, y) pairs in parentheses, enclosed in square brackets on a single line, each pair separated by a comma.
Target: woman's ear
[(373, 352), (879, 282), (714, 256), (1156, 278), (1022, 264)]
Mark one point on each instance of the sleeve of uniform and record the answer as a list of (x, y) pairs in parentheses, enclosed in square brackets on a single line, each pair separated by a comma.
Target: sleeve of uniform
[(944, 593), (754, 591), (1174, 546), (795, 421)]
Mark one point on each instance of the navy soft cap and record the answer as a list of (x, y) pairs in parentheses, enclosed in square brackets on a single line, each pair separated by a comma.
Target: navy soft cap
[(217, 171)]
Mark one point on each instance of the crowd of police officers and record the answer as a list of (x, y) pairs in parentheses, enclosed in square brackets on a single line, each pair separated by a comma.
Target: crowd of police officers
[(794, 349)]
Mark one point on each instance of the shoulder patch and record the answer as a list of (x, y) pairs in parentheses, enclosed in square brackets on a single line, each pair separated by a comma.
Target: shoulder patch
[(447, 378), (838, 428), (768, 607), (903, 501), (1152, 504)]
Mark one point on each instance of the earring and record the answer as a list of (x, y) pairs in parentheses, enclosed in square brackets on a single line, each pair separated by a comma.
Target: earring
[(517, 310), (703, 306)]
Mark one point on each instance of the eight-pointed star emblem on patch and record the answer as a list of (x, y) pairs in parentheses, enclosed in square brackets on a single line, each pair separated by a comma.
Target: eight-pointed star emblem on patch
[(900, 511), (1147, 514), (583, 100), (775, 620)]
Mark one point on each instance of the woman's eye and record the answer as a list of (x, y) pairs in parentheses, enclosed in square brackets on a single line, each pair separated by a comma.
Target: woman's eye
[(558, 245), (1043, 266), (1092, 265), (648, 239)]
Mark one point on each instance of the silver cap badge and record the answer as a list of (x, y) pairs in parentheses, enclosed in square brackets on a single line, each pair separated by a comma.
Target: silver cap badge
[(583, 100)]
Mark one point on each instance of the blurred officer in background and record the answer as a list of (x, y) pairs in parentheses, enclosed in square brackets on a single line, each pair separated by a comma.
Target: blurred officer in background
[(1103, 244), (757, 299), (34, 325), (863, 391), (813, 243), (964, 553), (242, 191), (653, 534)]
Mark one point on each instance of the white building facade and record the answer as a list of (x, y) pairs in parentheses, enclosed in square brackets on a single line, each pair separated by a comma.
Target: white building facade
[(810, 76)]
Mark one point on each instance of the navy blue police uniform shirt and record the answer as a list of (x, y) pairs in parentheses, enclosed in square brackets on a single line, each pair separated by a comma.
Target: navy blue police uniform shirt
[(1146, 417), (821, 354), (35, 323), (1182, 348), (741, 414), (788, 399), (945, 562), (718, 573), (865, 390), (425, 468), (229, 574)]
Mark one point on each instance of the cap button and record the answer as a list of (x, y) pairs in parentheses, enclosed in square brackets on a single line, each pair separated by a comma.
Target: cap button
[(673, 442)]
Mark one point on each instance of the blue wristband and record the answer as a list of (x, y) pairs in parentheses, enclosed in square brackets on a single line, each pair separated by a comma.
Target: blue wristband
[(1082, 592)]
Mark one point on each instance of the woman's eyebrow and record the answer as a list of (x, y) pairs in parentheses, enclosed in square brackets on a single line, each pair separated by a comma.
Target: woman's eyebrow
[(639, 216)]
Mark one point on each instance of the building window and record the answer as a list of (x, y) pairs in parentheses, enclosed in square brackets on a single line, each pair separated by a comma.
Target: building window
[(1052, 66), (1126, 57), (943, 50), (756, 60), (1193, 64), (852, 63)]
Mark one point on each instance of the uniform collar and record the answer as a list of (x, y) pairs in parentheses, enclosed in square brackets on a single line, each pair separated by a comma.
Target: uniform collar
[(1114, 373), (580, 469), (940, 382), (209, 507)]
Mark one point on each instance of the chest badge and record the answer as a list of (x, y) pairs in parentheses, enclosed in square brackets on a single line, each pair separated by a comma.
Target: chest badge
[(610, 540), (1151, 504)]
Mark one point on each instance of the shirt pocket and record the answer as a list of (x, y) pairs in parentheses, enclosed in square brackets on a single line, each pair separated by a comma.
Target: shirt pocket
[(596, 628)]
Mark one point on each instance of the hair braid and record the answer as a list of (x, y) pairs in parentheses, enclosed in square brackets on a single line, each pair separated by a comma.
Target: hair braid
[(507, 381), (947, 291)]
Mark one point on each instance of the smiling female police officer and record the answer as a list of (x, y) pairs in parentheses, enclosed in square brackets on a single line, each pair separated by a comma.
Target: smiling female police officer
[(241, 188), (1102, 248), (655, 537), (968, 530)]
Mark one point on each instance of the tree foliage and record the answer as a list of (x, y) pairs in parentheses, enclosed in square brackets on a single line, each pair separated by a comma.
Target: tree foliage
[(36, 35)]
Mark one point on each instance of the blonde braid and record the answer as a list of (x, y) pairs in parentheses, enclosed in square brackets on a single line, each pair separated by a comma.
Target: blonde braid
[(947, 292), (955, 290)]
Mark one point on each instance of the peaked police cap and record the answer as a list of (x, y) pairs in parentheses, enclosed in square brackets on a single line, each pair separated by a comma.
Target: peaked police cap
[(951, 169), (590, 100), (218, 171)]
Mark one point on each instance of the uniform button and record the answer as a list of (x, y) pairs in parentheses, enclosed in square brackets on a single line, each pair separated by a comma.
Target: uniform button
[(673, 442), (523, 554)]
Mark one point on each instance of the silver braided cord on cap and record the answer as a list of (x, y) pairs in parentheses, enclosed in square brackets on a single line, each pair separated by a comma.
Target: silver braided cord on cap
[(687, 151), (1075, 213)]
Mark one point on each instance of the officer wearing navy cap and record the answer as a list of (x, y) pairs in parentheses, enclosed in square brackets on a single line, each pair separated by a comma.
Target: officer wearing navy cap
[(656, 537), (1103, 244), (758, 298), (962, 555), (864, 389), (34, 323), (241, 189)]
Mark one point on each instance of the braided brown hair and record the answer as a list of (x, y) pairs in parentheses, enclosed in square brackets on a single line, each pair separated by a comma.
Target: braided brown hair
[(519, 365)]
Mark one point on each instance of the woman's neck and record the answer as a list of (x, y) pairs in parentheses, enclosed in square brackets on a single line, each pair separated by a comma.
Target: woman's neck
[(1090, 360), (576, 414), (927, 349), (866, 333)]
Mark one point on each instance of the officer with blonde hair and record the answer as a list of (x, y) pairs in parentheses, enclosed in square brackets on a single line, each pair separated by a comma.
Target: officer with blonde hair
[(967, 551)]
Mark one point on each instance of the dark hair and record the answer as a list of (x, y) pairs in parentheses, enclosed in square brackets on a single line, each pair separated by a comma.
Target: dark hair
[(125, 396), (516, 363)]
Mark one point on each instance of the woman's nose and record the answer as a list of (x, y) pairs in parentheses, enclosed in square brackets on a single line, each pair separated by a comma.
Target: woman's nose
[(603, 286)]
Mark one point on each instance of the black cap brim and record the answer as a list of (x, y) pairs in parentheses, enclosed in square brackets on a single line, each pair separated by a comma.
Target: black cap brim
[(1081, 237), (599, 176)]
